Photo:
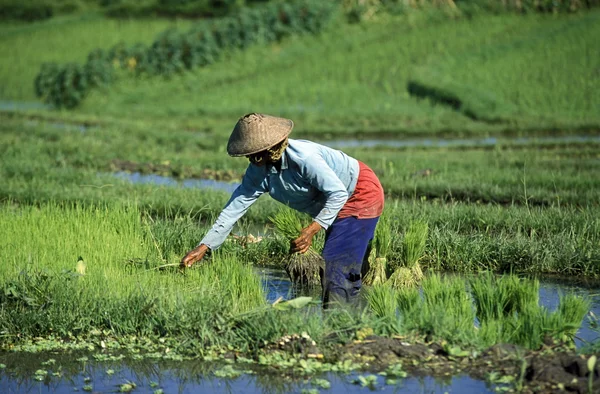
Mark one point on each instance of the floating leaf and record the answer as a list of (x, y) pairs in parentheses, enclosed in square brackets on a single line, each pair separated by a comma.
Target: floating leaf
[(296, 303)]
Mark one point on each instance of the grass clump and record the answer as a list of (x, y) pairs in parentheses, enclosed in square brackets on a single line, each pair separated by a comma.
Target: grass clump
[(303, 269), (413, 247), (508, 311), (499, 296)]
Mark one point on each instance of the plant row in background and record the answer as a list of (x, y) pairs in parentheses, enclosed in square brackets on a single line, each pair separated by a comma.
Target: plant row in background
[(174, 51), (34, 10), (356, 10)]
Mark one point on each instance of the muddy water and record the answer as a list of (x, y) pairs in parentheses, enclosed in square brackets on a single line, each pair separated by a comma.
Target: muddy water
[(69, 375), (277, 284)]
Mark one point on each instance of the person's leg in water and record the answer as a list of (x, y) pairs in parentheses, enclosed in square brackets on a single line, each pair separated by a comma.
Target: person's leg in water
[(346, 245)]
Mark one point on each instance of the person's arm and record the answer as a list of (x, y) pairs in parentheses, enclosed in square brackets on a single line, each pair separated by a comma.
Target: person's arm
[(322, 177), (252, 187)]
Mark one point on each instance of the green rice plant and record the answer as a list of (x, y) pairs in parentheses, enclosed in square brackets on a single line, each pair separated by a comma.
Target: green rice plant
[(499, 296), (414, 243), (446, 311), (383, 236), (413, 247), (44, 282), (383, 302), (535, 325), (304, 268), (409, 299), (571, 311), (447, 292)]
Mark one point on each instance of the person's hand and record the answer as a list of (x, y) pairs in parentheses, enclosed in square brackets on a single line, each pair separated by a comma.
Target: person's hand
[(193, 256), (303, 242)]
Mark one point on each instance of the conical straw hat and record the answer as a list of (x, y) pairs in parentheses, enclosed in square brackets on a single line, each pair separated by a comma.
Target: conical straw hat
[(256, 132)]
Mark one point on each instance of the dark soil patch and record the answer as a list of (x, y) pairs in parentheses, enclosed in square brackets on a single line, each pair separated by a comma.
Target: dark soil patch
[(553, 369)]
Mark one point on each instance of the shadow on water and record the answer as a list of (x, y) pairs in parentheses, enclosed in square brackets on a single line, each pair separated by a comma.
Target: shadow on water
[(444, 142), (160, 180), (30, 373)]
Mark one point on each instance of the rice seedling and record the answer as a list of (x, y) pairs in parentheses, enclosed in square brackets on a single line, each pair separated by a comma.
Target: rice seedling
[(499, 296), (508, 310), (446, 311), (409, 299), (376, 273), (52, 290), (383, 302), (413, 247), (571, 311), (303, 269)]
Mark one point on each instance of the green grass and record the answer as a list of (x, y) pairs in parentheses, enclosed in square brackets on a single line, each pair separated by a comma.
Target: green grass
[(72, 270), (507, 310), (64, 39), (547, 222), (536, 71)]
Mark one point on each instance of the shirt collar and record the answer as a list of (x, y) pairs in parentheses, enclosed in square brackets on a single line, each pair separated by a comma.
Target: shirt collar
[(284, 160), (284, 164)]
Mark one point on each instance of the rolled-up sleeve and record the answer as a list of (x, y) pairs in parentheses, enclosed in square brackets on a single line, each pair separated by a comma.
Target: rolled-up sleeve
[(322, 177), (252, 187)]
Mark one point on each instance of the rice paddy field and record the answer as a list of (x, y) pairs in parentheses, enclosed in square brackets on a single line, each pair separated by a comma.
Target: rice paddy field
[(484, 129)]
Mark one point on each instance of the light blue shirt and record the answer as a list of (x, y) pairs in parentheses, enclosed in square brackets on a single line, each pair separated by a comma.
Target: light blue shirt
[(314, 179)]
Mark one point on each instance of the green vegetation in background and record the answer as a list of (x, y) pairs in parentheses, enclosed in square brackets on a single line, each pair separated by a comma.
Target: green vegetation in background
[(34, 10), (364, 72), (359, 87), (356, 10), (180, 8), (64, 39), (174, 52)]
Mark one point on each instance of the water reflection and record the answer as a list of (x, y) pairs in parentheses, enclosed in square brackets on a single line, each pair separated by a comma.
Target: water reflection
[(137, 177), (67, 375), (444, 142)]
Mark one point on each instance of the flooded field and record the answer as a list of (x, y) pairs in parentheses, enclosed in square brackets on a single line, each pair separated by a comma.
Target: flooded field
[(277, 284), (25, 375), (67, 372)]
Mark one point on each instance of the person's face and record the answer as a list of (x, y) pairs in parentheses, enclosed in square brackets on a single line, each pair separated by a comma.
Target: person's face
[(258, 159)]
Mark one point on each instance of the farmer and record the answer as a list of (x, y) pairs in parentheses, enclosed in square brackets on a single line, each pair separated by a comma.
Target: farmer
[(341, 194)]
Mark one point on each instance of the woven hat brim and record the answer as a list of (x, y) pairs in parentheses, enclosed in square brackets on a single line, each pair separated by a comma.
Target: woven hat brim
[(250, 137)]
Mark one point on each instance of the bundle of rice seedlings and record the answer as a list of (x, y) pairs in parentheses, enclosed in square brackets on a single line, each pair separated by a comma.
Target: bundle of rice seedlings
[(410, 272), (303, 269), (378, 258)]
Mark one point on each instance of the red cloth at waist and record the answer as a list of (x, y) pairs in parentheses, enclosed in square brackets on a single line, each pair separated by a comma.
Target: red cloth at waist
[(368, 199)]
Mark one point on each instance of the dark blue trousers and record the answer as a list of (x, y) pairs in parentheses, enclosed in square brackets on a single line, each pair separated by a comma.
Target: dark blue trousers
[(346, 245)]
